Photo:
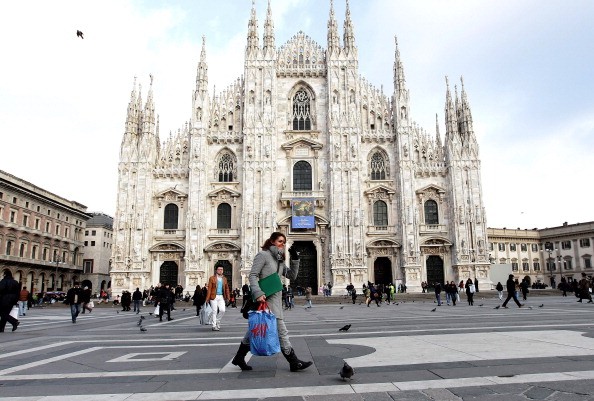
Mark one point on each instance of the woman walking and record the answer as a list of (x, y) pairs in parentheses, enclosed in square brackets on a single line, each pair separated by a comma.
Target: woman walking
[(269, 261), (308, 298), (470, 290)]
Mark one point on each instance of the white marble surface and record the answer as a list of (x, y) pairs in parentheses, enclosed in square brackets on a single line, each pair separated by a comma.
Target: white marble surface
[(469, 347)]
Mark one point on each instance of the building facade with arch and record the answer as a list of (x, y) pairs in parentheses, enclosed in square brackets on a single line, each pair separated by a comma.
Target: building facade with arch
[(300, 143)]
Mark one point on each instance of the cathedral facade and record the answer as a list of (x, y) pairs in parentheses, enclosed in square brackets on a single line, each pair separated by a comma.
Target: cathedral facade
[(301, 144)]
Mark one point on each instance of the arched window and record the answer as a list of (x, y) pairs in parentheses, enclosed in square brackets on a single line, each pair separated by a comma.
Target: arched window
[(225, 168), (224, 216), (431, 216), (380, 214), (378, 166), (22, 250), (8, 248), (302, 176), (170, 218), (301, 111)]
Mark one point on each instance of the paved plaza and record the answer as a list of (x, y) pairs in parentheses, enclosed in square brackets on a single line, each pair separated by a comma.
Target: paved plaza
[(402, 351)]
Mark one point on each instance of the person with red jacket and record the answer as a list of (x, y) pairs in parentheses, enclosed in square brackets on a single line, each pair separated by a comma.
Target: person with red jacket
[(23, 299)]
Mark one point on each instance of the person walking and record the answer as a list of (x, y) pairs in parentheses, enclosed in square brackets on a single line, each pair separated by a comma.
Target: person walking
[(74, 299), (271, 260), (499, 289), (23, 300), (308, 297), (470, 290), (524, 288), (86, 300), (164, 296), (198, 299), (136, 298), (584, 289), (438, 293), (217, 295), (511, 292), (354, 295), (9, 296)]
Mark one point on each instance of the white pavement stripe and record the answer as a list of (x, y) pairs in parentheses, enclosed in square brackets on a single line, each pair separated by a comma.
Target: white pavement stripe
[(46, 361), (346, 388), (93, 375), (25, 351)]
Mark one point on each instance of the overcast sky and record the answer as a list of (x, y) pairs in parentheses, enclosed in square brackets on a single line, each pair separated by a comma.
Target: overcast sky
[(528, 69)]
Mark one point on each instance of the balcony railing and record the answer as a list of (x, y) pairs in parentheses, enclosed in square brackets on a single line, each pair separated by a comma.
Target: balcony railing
[(433, 228), (223, 233), (381, 230)]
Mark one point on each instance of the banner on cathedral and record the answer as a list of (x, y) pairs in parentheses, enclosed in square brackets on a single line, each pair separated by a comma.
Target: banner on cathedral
[(303, 213)]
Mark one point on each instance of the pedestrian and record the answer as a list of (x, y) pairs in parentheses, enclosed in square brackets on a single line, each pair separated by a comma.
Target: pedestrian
[(9, 297), (217, 295), (524, 288), (476, 288), (198, 299), (164, 297), (23, 300), (308, 295), (354, 295), (453, 292), (470, 290), (74, 299), (290, 298), (267, 262), (563, 286), (511, 292), (86, 299), (584, 289), (136, 298), (499, 288), (438, 293)]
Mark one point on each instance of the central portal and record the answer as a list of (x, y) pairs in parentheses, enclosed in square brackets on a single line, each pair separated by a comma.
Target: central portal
[(308, 266), (168, 273)]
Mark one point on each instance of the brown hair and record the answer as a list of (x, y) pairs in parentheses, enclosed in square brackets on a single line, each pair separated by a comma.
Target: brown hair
[(273, 237)]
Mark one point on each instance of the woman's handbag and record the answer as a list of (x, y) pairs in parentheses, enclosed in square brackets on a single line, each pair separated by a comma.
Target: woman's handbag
[(263, 332), (14, 312), (270, 284)]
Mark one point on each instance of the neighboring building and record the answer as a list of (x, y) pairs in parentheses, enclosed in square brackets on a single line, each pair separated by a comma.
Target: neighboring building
[(40, 235), (98, 241), (303, 144), (547, 254)]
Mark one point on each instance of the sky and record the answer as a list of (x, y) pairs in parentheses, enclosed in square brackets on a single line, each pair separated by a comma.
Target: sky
[(528, 68)]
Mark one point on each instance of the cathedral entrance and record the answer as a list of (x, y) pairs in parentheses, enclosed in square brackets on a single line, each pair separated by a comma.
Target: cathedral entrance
[(382, 271), (168, 273), (308, 266), (435, 273), (227, 272)]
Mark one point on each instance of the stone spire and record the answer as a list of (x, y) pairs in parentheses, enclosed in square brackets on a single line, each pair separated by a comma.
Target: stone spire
[(132, 116), (465, 116), (268, 43), (349, 32), (202, 70), (253, 43), (450, 116), (437, 135), (333, 39), (399, 81)]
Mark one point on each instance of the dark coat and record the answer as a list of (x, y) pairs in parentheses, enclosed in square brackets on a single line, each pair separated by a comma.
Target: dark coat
[(71, 293), (198, 298), (164, 296), (86, 296), (9, 292), (137, 296), (511, 285)]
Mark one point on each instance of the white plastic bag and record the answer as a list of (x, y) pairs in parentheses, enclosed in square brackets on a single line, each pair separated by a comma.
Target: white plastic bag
[(14, 312), (156, 312), (205, 313)]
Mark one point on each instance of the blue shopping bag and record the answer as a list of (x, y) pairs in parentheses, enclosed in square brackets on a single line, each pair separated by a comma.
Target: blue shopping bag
[(263, 331)]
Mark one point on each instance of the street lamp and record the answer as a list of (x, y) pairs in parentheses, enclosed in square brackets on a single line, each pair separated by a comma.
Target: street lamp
[(58, 261), (551, 264)]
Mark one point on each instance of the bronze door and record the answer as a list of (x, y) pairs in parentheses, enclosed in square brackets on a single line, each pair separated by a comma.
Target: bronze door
[(168, 273), (308, 266), (382, 271), (435, 271)]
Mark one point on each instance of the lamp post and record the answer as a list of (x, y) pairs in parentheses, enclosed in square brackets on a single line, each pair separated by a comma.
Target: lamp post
[(58, 261), (551, 265)]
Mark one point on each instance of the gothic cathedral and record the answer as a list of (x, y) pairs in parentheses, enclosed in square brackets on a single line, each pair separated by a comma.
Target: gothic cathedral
[(301, 144)]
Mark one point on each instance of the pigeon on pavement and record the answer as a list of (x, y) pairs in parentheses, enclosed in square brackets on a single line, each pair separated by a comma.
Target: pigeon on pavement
[(346, 327), (433, 310), (497, 307), (346, 372), (541, 305), (79, 34), (342, 307), (142, 328)]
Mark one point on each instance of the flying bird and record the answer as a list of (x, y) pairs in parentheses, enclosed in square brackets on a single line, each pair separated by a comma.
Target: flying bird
[(346, 327), (142, 328), (79, 34), (433, 310), (497, 307), (346, 372)]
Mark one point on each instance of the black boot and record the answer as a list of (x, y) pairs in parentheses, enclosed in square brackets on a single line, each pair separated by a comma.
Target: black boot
[(295, 363), (239, 359)]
